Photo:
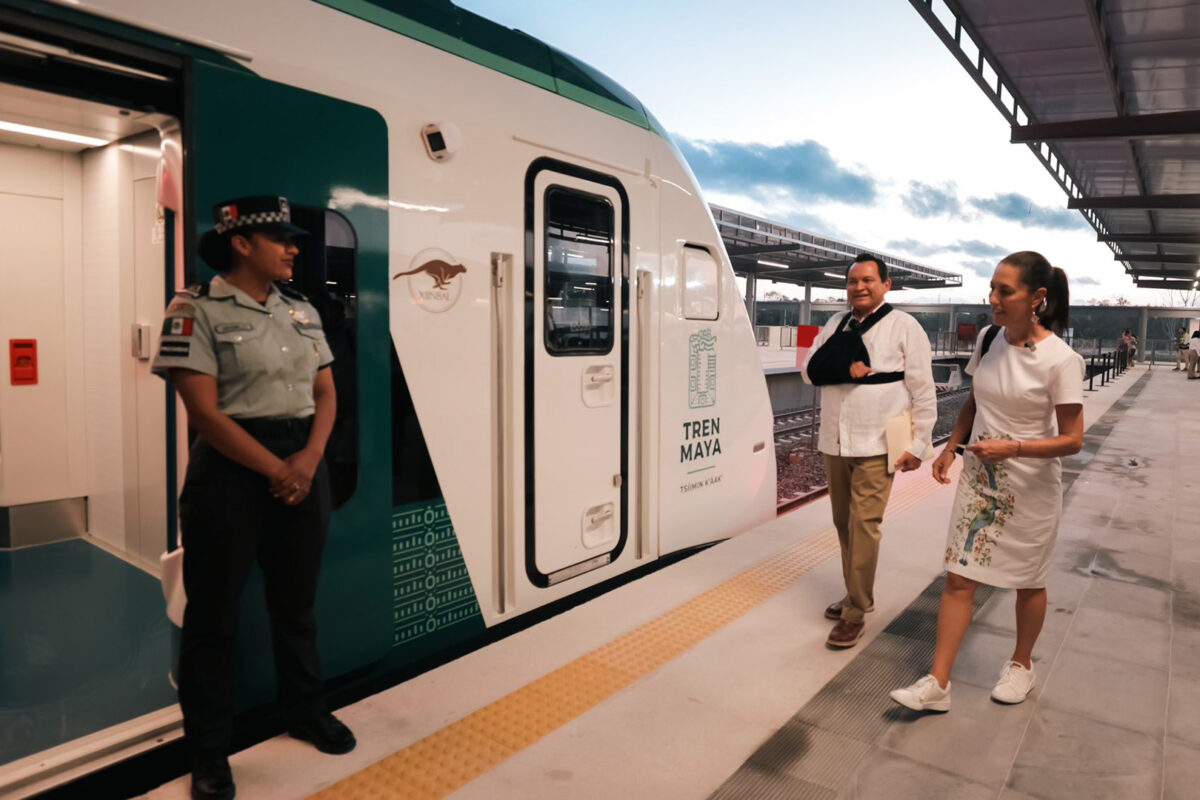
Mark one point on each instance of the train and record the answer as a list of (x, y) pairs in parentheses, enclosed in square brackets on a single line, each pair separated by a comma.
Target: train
[(546, 375)]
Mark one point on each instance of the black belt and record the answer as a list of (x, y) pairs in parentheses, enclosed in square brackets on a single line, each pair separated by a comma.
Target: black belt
[(276, 427)]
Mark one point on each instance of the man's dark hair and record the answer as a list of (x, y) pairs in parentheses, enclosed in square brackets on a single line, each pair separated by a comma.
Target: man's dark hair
[(862, 258)]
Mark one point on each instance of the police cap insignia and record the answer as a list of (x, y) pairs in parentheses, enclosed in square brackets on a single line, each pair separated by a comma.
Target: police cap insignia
[(255, 214)]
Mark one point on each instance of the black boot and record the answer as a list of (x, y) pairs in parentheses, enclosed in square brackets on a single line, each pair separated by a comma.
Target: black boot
[(211, 777), (325, 732)]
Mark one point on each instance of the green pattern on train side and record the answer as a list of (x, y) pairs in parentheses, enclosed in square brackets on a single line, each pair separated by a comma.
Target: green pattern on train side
[(443, 25), (433, 601)]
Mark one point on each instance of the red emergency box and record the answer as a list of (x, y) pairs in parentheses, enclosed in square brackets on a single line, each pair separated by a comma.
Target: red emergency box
[(22, 361)]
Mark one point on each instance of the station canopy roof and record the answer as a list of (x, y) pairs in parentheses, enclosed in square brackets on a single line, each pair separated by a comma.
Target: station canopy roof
[(774, 251), (1106, 93)]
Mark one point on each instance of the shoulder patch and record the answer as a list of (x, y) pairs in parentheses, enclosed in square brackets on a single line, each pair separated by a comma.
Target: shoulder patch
[(195, 290), (181, 308), (177, 326)]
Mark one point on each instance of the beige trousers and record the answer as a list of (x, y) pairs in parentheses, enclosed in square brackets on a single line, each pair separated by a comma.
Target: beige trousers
[(1193, 358), (858, 491)]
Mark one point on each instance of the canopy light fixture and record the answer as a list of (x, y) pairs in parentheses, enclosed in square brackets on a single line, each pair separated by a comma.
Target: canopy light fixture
[(772, 264), (47, 133), (834, 274)]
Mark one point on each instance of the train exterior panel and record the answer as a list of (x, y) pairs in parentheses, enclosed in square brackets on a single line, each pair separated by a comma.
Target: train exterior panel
[(553, 377)]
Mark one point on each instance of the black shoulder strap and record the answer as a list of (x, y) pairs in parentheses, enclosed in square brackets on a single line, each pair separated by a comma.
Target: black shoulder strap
[(292, 292), (879, 314), (988, 336)]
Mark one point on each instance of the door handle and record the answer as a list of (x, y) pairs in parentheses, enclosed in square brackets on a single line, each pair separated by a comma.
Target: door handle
[(141, 342), (602, 376), (596, 519)]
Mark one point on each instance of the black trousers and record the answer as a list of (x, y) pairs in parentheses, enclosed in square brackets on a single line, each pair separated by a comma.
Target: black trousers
[(228, 520)]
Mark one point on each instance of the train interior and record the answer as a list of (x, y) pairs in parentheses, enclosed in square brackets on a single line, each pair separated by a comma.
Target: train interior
[(86, 239)]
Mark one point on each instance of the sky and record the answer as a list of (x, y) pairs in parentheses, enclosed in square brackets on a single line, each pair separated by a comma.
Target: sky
[(849, 119)]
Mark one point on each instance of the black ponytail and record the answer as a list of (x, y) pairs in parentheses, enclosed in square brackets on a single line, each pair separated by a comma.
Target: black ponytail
[(1036, 273), (1058, 299)]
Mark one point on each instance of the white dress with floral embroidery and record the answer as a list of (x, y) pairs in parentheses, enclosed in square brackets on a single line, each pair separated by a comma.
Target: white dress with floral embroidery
[(1005, 518)]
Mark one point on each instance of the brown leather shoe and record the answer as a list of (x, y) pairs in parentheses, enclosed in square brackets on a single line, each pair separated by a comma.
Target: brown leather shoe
[(845, 634), (834, 610)]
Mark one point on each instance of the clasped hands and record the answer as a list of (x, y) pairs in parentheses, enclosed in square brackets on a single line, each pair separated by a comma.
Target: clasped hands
[(292, 481)]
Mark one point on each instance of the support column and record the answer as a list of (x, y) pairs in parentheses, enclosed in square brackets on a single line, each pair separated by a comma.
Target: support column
[(806, 306), (751, 292), (1143, 330)]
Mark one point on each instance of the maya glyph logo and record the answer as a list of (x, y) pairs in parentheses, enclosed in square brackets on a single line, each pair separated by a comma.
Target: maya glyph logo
[(435, 280), (702, 369)]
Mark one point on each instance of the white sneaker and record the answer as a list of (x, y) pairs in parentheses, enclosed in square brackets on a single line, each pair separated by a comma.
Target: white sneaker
[(1014, 685), (924, 695)]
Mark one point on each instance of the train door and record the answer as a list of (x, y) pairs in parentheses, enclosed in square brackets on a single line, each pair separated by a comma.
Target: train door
[(576, 378), (147, 523), (249, 136)]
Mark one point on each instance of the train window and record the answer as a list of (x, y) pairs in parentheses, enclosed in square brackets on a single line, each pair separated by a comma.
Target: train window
[(700, 280), (579, 273), (326, 271)]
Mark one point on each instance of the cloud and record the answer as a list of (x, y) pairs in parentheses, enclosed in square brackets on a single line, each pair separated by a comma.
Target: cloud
[(1086, 280), (1019, 208), (926, 200), (974, 247), (981, 267), (799, 170), (916, 248), (970, 247)]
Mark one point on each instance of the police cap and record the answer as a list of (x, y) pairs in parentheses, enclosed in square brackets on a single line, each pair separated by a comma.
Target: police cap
[(244, 215)]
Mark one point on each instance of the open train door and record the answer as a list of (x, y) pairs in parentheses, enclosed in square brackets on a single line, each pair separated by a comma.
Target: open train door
[(248, 136)]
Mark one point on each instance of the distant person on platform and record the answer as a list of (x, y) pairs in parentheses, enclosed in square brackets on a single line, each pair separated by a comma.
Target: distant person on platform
[(1131, 342), (1123, 350), (874, 364), (1181, 352), (1194, 356)]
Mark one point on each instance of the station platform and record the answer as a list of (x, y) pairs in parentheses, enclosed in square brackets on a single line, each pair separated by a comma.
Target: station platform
[(711, 679)]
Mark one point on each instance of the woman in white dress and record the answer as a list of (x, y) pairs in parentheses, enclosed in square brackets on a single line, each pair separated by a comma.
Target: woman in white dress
[(1024, 412)]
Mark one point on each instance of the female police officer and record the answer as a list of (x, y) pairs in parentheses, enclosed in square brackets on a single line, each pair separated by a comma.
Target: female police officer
[(250, 361)]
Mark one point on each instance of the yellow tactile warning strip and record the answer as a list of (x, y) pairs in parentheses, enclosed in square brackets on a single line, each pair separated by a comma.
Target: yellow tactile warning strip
[(462, 751)]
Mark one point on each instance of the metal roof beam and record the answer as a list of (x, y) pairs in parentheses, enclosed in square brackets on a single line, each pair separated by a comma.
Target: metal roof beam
[(1151, 238), (1152, 258), (1166, 283), (807, 265), (1172, 201), (761, 249), (1143, 126)]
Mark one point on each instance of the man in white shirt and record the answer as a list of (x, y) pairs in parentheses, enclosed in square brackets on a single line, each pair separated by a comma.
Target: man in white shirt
[(855, 410)]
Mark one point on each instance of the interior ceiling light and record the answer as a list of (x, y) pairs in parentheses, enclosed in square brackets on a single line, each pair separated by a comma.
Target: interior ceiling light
[(772, 264), (47, 133)]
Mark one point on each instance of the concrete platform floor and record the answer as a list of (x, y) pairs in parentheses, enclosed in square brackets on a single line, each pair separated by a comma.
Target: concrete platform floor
[(1116, 712)]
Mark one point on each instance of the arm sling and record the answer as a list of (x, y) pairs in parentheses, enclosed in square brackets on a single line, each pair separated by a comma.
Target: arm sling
[(830, 364)]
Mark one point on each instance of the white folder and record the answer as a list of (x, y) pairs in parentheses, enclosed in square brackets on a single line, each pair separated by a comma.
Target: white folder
[(899, 439)]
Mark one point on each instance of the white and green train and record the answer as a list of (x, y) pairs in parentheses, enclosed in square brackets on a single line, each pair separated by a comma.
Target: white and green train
[(545, 372)]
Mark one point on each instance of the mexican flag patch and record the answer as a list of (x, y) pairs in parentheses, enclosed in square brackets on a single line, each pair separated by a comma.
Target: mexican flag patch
[(177, 326)]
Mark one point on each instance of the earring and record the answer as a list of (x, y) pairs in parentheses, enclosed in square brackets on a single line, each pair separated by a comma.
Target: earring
[(1041, 309)]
